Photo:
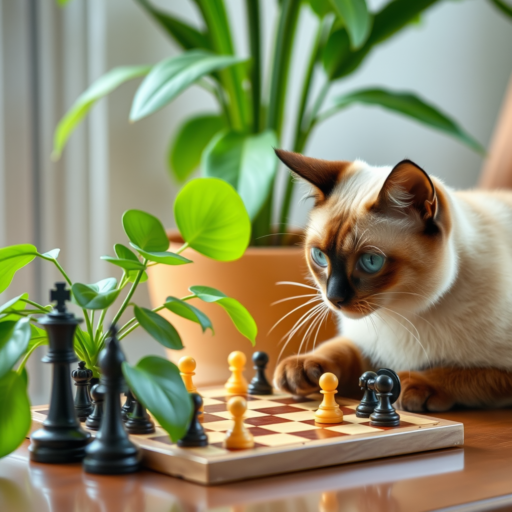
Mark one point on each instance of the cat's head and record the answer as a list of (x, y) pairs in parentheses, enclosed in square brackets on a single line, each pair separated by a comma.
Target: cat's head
[(378, 237)]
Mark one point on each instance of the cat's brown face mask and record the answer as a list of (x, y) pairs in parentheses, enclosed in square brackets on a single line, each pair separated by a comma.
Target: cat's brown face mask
[(375, 239)]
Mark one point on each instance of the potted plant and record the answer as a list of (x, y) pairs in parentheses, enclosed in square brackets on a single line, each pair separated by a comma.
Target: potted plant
[(212, 221), (236, 142)]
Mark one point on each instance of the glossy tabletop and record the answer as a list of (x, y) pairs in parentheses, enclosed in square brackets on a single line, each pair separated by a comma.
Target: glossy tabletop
[(473, 478)]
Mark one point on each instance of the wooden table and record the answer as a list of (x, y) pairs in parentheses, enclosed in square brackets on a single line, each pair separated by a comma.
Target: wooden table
[(474, 478)]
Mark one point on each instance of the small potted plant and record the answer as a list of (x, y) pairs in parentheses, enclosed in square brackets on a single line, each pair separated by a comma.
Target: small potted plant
[(212, 221)]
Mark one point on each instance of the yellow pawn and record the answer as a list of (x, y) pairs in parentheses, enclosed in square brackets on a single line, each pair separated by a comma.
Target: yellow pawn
[(239, 437), (329, 411), (236, 384), (187, 366)]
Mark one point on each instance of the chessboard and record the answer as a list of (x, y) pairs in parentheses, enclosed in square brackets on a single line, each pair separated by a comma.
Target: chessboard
[(287, 439)]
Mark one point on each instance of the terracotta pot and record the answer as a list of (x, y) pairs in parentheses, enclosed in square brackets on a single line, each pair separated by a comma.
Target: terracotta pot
[(253, 281)]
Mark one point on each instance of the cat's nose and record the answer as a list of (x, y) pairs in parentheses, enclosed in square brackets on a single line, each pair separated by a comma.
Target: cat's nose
[(337, 301), (338, 290)]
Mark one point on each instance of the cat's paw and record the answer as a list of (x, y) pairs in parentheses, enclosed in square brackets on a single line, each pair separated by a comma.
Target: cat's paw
[(299, 375), (421, 392)]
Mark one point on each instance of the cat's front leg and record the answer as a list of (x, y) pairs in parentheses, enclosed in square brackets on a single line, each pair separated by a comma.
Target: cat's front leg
[(299, 375), (439, 389)]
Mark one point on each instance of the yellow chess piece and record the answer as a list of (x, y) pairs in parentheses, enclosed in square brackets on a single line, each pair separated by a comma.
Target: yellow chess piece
[(329, 411), (187, 366), (239, 437), (236, 384)]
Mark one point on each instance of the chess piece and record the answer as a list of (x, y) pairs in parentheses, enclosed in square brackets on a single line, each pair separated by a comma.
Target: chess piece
[(369, 400), (112, 452), (239, 437), (93, 422), (384, 415), (195, 435), (127, 406), (61, 439), (187, 366), (82, 376), (329, 411), (236, 384), (138, 420), (259, 384)]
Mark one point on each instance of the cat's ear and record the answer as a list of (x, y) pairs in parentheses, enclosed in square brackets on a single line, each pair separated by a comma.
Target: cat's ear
[(322, 174), (408, 186)]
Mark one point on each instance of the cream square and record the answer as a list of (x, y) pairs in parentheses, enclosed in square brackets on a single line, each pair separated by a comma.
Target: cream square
[(212, 393), (352, 418), (308, 406), (248, 414), (216, 437), (278, 440), (297, 416), (354, 429), (221, 426), (261, 404), (418, 421), (289, 427), (211, 401)]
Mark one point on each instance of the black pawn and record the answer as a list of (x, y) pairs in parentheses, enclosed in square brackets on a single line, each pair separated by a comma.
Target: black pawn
[(128, 405), (112, 452), (195, 435), (61, 439), (384, 415), (138, 421), (82, 376), (93, 422), (259, 384), (369, 400)]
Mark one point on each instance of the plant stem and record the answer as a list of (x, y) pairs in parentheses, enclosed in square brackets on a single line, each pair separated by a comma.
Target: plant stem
[(133, 327), (182, 248), (44, 309), (254, 24)]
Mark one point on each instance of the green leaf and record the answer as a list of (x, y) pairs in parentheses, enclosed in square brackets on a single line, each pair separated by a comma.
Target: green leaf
[(190, 142), (242, 319), (15, 419), (13, 258), (212, 219), (100, 88), (336, 51), (14, 340), (171, 76), (122, 252), (96, 296), (184, 34), (125, 264), (53, 254), (409, 105), (165, 257), (158, 385), (185, 310), (145, 231), (503, 7), (38, 337), (356, 18), (17, 304), (247, 162), (158, 327), (320, 7)]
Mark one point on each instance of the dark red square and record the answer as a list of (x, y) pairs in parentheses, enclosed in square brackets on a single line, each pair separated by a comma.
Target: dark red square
[(257, 431), (284, 409), (208, 418), (292, 400), (265, 420), (215, 408)]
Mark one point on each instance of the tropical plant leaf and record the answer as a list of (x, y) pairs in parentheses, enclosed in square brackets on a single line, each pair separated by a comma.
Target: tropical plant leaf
[(212, 219), (247, 162), (172, 76), (100, 88), (503, 7), (15, 419), (145, 231), (38, 337), (188, 145), (157, 383), (53, 254), (356, 19), (186, 310), (158, 328), (13, 258), (125, 264), (100, 295), (165, 257), (409, 105), (242, 319), (14, 340), (16, 304), (122, 252), (321, 7)]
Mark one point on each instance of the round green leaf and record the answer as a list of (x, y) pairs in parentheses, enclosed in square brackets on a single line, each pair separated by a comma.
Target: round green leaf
[(14, 340), (15, 419), (17, 304), (12, 259), (185, 310), (158, 328), (356, 18), (122, 252), (125, 264), (145, 231), (212, 219), (188, 145), (157, 383), (53, 254), (96, 296), (165, 257)]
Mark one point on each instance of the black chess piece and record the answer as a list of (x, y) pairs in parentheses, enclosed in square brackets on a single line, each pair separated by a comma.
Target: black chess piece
[(259, 385), (128, 405), (82, 376), (61, 439), (195, 435), (93, 422), (384, 415), (369, 400), (138, 420), (112, 452)]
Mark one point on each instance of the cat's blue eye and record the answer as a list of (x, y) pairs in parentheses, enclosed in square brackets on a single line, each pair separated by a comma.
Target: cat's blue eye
[(319, 257), (371, 263)]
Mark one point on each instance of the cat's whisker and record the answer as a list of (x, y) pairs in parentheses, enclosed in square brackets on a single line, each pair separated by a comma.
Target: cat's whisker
[(293, 283), (310, 301), (294, 297), (325, 315), (298, 325), (307, 334)]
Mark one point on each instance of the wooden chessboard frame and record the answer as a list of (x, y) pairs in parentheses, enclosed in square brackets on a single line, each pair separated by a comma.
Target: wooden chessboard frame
[(214, 465)]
